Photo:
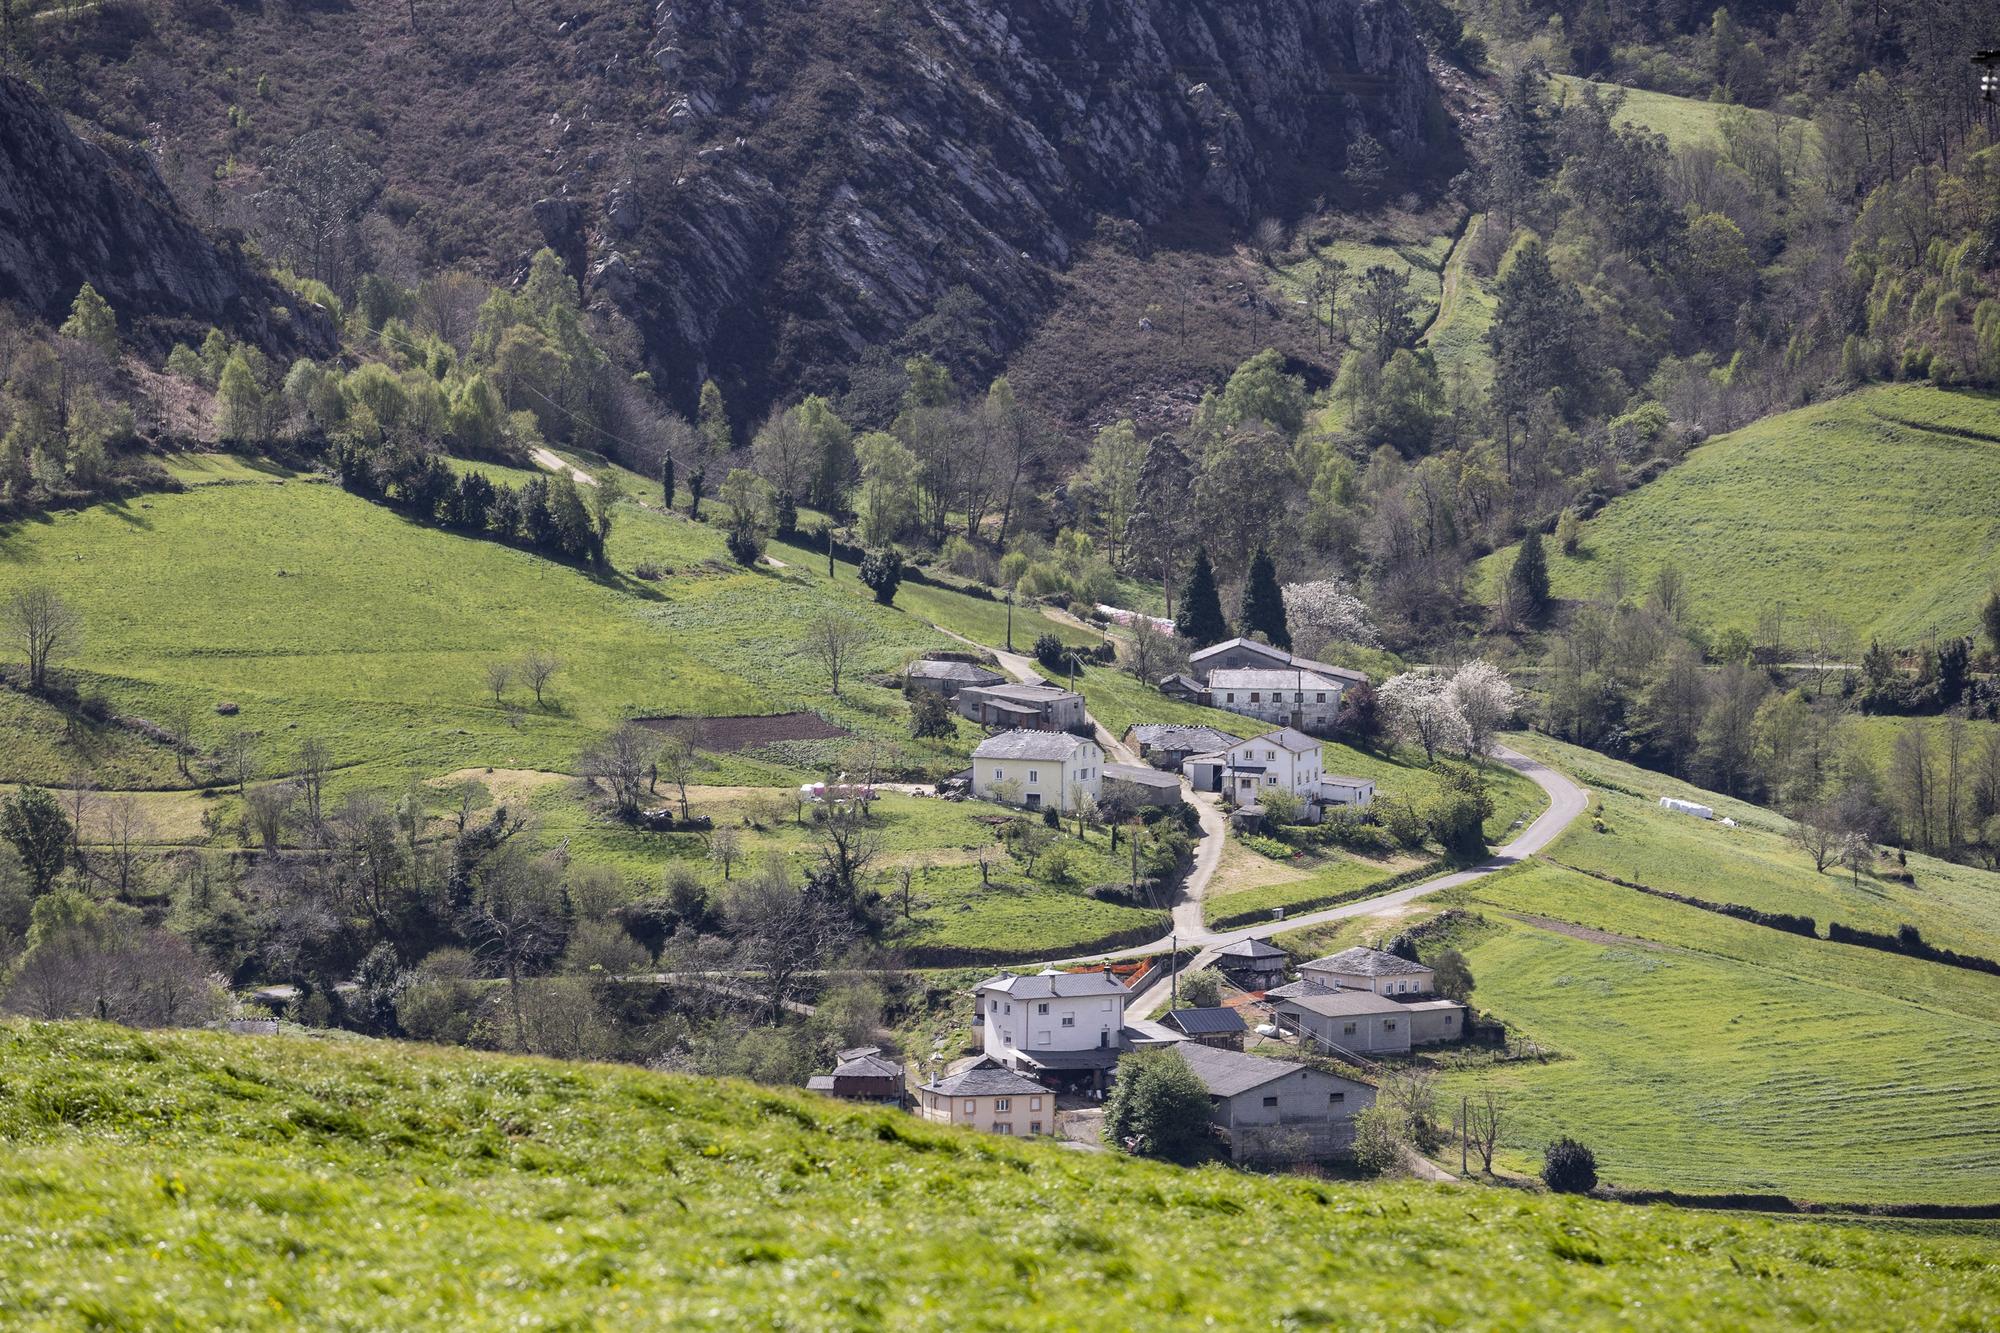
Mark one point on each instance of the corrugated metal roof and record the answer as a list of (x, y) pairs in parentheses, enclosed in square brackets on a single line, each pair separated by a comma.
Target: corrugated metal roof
[(1206, 1022)]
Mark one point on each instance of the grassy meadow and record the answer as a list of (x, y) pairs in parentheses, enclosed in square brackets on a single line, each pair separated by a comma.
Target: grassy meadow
[(1684, 122), (1880, 509), (199, 1180), (1696, 1052)]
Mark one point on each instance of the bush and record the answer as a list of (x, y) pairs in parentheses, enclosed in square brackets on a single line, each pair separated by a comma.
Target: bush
[(1377, 1149), (1051, 653), (1201, 990), (930, 715), (882, 574), (1403, 823), (1158, 1108), (1569, 1168), (746, 545)]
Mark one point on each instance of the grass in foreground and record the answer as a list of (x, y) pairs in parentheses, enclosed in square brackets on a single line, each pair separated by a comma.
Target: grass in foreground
[(180, 1179), (1877, 509)]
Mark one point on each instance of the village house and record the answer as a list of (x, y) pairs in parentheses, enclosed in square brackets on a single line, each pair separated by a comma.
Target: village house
[(1254, 965), (985, 1096), (1277, 1110), (1284, 696), (1239, 654), (1037, 769), (1367, 969), (863, 1074), (1286, 759), (948, 676), (1349, 1021), (1168, 745), (1184, 687), (1062, 1027), (1027, 707), (1130, 786), (1219, 1026)]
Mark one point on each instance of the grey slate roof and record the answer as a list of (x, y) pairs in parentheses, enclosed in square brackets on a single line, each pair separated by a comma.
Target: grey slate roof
[(1207, 1022), (1287, 738), (971, 672), (1252, 948), (1281, 656), (1024, 744), (1270, 678), (1228, 1073), (1067, 985), (1364, 962), (872, 1065), (985, 1079), (1028, 694), (1341, 1003), (1173, 736), (1141, 774)]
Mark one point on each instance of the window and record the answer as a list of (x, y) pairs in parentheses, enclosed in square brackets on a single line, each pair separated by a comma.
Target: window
[(1002, 1127), (1348, 1029), (1270, 779), (1320, 698), (1001, 1103), (1335, 1098), (1255, 695), (1041, 1008), (1298, 696), (1035, 1104), (1034, 775), (999, 775), (1270, 1101), (1069, 1020), (1034, 1126), (1232, 696), (1389, 1025), (971, 1107), (1271, 755)]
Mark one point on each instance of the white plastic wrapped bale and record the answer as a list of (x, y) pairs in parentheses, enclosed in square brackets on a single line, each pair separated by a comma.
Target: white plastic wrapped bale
[(1680, 807)]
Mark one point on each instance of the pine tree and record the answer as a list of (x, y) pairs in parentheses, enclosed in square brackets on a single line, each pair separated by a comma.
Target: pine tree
[(1530, 576), (1200, 621), (1156, 532), (667, 480), (714, 420), (91, 321), (1264, 604)]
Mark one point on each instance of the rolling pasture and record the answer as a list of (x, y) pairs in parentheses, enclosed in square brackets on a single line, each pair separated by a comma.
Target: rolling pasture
[(1880, 509), (1698, 1052)]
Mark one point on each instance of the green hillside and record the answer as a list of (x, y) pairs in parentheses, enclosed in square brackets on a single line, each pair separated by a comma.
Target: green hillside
[(319, 613), (184, 1180), (1699, 1052), (1881, 509)]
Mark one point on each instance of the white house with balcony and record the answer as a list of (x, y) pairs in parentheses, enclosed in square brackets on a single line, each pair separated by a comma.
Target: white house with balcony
[(1061, 1027), (1040, 770)]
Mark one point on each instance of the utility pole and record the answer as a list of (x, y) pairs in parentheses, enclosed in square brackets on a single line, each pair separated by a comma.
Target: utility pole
[(1174, 941), (1464, 1131), (1010, 620), (829, 550)]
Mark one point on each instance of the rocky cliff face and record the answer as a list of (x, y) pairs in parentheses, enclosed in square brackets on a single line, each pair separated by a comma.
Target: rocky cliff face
[(73, 212), (849, 164)]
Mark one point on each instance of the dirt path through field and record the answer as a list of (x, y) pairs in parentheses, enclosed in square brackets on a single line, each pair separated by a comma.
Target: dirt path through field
[(1451, 277), (548, 462)]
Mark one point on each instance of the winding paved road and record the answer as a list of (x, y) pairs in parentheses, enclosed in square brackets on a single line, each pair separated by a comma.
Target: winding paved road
[(1566, 801)]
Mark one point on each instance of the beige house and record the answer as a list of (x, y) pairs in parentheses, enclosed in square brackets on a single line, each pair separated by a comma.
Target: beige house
[(988, 1097), (1370, 970), (1037, 769)]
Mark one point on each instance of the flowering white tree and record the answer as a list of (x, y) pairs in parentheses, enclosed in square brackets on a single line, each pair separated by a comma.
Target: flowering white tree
[(1484, 698), (1327, 611), (1421, 709)]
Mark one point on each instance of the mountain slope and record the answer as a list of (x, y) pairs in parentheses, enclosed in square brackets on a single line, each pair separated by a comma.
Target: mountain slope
[(73, 212), (767, 189), (1877, 509), (283, 1181)]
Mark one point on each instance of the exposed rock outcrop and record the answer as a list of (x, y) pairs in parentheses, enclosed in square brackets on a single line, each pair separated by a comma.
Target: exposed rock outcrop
[(73, 212), (966, 143)]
